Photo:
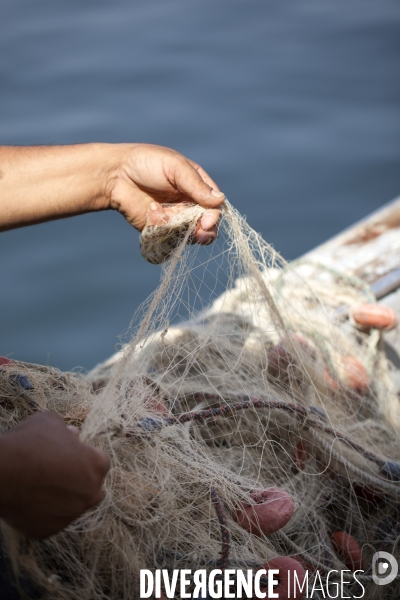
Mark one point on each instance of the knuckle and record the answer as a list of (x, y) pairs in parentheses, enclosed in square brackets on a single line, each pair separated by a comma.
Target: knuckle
[(101, 463), (195, 165)]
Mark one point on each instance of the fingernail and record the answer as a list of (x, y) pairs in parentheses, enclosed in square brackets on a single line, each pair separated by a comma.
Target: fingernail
[(217, 194), (205, 240), (73, 429), (153, 206)]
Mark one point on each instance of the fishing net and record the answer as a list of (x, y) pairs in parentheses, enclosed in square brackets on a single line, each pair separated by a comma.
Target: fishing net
[(247, 418)]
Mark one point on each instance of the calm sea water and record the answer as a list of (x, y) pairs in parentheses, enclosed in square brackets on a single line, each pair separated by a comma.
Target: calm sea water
[(292, 106)]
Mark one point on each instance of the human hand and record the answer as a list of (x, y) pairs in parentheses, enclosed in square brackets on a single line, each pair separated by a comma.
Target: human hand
[(149, 176), (48, 477)]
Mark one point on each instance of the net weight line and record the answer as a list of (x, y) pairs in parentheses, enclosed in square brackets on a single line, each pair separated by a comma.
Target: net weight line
[(388, 471)]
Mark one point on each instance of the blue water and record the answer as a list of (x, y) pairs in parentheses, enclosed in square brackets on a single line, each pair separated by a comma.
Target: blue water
[(293, 106)]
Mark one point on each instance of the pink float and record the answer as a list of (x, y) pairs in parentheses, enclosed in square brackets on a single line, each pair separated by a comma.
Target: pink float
[(348, 549), (272, 509), (287, 568)]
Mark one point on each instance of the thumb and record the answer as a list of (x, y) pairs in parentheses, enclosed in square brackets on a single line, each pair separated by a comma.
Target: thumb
[(74, 430), (190, 182)]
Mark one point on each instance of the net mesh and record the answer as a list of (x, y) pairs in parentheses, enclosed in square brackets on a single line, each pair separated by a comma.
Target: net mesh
[(246, 417)]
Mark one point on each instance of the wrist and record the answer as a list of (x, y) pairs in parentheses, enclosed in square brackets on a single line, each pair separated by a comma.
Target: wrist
[(122, 159), (107, 164)]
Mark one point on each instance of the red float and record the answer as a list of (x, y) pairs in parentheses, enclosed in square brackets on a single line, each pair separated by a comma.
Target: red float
[(279, 361), (287, 568), (348, 549), (273, 508), (156, 406), (306, 565), (5, 361), (330, 382)]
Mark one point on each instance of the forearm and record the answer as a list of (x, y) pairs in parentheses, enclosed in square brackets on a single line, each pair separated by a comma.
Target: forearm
[(42, 183), (50, 182)]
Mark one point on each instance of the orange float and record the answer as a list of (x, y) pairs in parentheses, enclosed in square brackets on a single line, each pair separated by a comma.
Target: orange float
[(287, 568), (355, 376), (330, 382), (374, 316), (348, 549), (272, 509)]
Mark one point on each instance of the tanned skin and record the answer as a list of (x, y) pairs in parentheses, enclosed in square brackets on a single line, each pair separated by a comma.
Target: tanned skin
[(48, 477)]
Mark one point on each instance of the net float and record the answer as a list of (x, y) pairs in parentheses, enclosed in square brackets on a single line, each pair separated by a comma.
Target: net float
[(374, 316), (306, 565), (285, 358), (300, 455), (329, 381), (288, 585), (282, 364), (348, 549), (391, 470), (155, 405), (355, 376), (150, 424), (272, 509), (5, 361), (279, 360), (22, 381)]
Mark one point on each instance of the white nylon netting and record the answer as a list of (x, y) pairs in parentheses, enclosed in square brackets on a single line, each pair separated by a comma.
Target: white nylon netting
[(261, 395)]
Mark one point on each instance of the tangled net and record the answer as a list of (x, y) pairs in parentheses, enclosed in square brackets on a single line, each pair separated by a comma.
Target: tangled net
[(261, 424)]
